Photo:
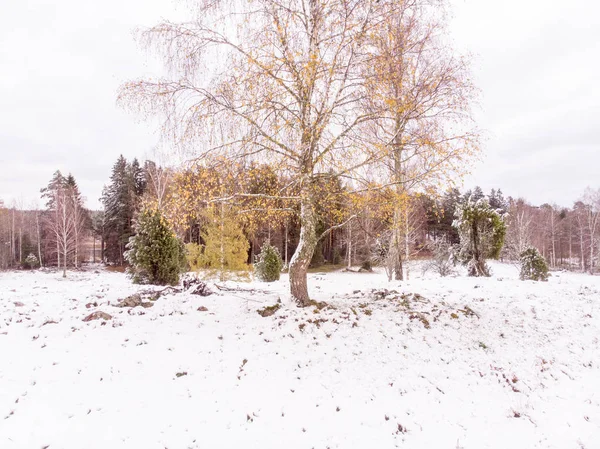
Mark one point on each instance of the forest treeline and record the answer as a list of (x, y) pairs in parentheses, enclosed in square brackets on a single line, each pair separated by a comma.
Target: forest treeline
[(254, 204)]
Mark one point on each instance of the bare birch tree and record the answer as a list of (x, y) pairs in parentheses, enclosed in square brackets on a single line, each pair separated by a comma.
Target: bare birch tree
[(283, 81), (421, 93), (65, 220), (158, 179), (61, 226), (519, 234), (591, 217)]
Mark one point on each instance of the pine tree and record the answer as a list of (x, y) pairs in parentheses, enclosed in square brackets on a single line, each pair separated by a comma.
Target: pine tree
[(440, 216), (498, 202), (533, 265), (57, 181), (268, 263), (121, 200), (137, 178), (155, 254), (482, 230)]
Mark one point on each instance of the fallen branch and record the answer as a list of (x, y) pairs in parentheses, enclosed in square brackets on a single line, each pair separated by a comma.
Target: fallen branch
[(436, 387)]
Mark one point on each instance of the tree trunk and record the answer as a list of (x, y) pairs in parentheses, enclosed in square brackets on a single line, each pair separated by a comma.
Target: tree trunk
[(581, 248), (570, 243), (478, 267), (406, 243), (102, 247), (398, 268), (331, 247), (21, 239), (39, 240), (65, 259), (349, 245), (306, 248), (399, 179), (553, 238), (13, 250), (593, 223), (222, 243), (592, 255), (57, 230), (76, 220), (285, 250)]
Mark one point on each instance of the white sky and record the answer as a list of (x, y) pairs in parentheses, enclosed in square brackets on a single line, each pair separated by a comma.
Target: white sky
[(536, 62)]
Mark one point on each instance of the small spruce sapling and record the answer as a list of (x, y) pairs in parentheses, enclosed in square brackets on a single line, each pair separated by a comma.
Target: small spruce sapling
[(268, 263), (155, 254), (533, 266), (31, 262)]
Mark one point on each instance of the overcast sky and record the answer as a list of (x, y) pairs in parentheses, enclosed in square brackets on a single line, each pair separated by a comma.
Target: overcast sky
[(537, 63)]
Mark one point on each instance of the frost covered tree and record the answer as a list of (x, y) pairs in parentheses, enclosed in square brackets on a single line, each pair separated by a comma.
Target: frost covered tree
[(533, 266), (268, 263), (520, 229), (280, 81), (481, 230), (497, 201), (443, 260), (155, 254), (589, 216)]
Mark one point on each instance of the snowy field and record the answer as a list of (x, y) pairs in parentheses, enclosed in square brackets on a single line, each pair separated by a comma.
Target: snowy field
[(431, 363)]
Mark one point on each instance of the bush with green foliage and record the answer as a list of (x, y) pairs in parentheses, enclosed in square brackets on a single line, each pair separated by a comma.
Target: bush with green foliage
[(268, 263), (31, 262), (155, 254), (366, 265), (481, 230), (533, 266)]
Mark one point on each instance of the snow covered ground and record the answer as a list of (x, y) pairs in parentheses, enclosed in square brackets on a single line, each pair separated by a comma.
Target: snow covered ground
[(431, 363)]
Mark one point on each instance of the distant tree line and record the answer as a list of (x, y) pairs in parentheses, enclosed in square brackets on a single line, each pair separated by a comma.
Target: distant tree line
[(54, 236), (65, 234)]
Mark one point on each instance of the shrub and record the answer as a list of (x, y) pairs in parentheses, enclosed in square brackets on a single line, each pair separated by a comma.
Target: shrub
[(533, 265), (155, 254), (31, 262), (443, 258), (482, 231), (268, 263), (366, 266)]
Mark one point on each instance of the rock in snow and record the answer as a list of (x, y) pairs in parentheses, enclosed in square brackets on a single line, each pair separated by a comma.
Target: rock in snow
[(99, 315)]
